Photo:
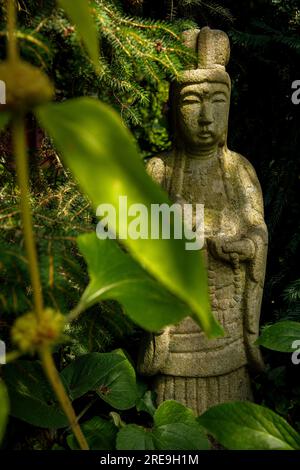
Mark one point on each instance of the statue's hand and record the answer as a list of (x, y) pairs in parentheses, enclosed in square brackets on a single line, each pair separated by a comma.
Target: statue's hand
[(224, 249), (216, 248), (244, 249)]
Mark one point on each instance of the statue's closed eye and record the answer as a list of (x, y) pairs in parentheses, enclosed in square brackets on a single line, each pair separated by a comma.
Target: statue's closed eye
[(219, 100), (190, 99)]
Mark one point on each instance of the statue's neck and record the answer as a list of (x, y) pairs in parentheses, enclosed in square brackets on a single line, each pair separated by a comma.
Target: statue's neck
[(203, 153)]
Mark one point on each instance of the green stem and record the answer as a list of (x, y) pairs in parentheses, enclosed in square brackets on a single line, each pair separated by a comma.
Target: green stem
[(54, 379), (19, 142), (75, 313), (12, 50), (20, 150)]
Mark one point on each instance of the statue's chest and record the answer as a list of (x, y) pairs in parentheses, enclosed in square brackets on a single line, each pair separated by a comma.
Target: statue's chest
[(203, 184)]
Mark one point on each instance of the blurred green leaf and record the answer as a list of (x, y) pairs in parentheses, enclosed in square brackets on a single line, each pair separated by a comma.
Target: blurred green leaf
[(101, 153), (31, 396), (4, 409), (115, 275), (246, 426), (79, 13), (99, 433), (280, 336), (110, 375)]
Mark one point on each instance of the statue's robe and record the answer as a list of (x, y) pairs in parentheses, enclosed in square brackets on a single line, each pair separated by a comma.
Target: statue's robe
[(190, 368)]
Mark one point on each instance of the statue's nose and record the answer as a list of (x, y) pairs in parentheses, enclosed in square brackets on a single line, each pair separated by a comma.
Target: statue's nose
[(205, 115)]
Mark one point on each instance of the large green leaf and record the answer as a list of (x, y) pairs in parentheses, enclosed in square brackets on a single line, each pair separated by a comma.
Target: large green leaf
[(79, 12), (4, 119), (175, 428), (4, 409), (99, 433), (31, 396), (280, 336), (109, 374), (101, 153), (179, 436), (173, 412), (133, 437), (115, 275), (246, 426)]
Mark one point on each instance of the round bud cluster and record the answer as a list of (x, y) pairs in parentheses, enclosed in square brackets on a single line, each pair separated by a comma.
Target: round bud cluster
[(26, 85), (31, 333)]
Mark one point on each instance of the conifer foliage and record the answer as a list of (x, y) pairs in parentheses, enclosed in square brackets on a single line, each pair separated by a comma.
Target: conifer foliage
[(134, 52)]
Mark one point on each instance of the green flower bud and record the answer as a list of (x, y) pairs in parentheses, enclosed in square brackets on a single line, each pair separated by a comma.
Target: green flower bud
[(30, 333), (26, 85)]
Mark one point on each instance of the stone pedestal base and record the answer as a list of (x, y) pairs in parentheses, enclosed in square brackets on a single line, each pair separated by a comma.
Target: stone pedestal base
[(200, 393)]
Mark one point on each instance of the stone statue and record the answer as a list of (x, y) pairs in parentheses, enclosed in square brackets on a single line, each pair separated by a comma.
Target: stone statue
[(187, 366)]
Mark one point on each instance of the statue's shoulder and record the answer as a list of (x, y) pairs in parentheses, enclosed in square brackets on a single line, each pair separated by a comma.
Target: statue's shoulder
[(159, 166)]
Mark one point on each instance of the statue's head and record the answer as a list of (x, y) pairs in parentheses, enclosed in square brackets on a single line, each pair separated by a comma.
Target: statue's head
[(202, 95)]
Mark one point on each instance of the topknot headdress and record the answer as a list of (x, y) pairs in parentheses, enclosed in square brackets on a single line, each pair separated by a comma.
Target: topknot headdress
[(213, 52)]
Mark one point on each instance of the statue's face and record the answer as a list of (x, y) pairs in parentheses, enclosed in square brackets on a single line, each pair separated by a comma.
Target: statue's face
[(203, 114)]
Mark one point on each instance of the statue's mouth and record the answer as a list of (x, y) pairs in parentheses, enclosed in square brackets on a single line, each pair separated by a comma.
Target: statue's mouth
[(204, 129), (205, 133)]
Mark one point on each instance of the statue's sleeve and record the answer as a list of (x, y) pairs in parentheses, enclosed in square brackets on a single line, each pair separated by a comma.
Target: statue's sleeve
[(255, 229), (252, 211)]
